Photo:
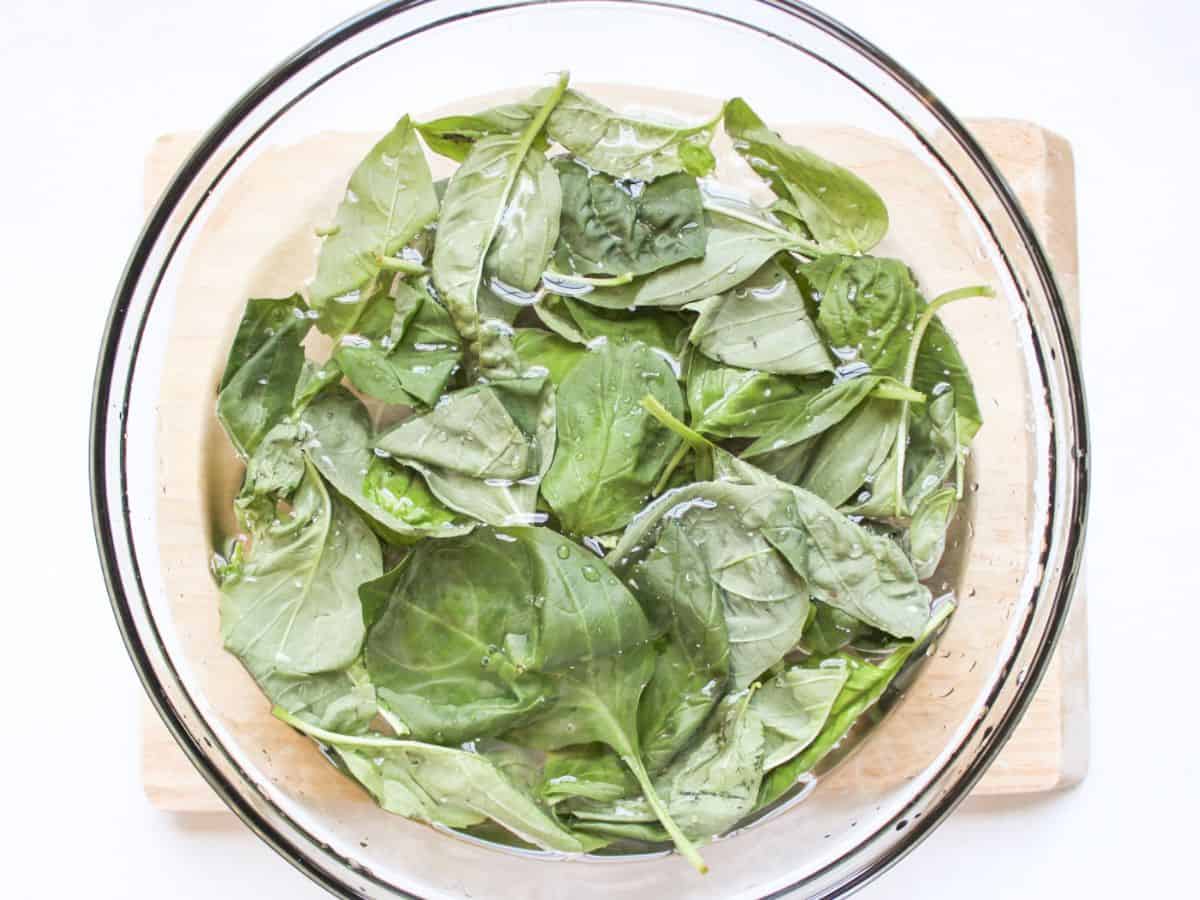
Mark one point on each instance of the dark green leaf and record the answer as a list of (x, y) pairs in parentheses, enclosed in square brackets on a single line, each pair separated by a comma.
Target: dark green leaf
[(793, 707), (543, 350), (610, 451), (590, 771), (581, 323), (453, 136), (865, 685), (264, 366), (612, 227), (728, 402), (927, 535), (866, 309), (820, 413), (735, 250)]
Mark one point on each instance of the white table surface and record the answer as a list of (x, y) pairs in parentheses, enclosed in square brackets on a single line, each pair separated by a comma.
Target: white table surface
[(87, 85)]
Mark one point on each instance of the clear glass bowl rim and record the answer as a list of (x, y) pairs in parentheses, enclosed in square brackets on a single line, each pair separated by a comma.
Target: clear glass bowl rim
[(109, 408)]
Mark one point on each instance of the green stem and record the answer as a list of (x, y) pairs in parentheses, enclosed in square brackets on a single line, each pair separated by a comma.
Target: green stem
[(683, 451), (339, 740), (890, 389), (910, 367), (685, 846), (396, 264), (585, 280), (694, 439), (799, 244), (329, 373)]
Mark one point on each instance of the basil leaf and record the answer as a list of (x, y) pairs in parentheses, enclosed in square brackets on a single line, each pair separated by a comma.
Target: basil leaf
[(866, 309), (830, 630), (610, 452), (264, 366), (528, 230), (628, 147), (482, 450), (453, 136), (865, 684), (793, 707), (761, 324), (395, 499), (580, 323), (453, 655), (848, 567), (476, 202), (590, 771), (853, 452), (273, 473), (735, 250), (729, 402), (766, 601), (710, 787), (543, 350), (406, 348), (676, 589), (939, 363), (389, 200), (443, 786), (927, 534), (292, 605), (613, 227), (840, 210), (820, 413)]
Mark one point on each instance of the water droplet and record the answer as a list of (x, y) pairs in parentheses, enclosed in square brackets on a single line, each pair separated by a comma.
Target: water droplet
[(591, 573), (563, 551)]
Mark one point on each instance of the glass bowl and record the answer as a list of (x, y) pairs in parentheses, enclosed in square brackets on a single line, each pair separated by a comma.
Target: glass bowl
[(219, 235)]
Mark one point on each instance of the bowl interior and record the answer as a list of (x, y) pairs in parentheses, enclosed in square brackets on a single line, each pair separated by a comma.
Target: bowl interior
[(239, 223)]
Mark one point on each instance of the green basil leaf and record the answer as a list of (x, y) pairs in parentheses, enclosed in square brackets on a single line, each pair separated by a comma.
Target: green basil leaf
[(474, 208), (729, 402), (865, 684), (338, 441), (676, 589), (866, 309), (580, 323), (820, 413), (610, 451), (292, 606), (840, 210), (854, 452), (830, 630), (735, 250), (389, 200), (629, 147), (544, 350), (927, 534), (766, 601), (528, 230), (453, 136), (482, 450), (613, 227), (263, 369), (938, 363), (406, 348), (847, 567), (590, 771), (793, 707), (761, 324), (443, 786)]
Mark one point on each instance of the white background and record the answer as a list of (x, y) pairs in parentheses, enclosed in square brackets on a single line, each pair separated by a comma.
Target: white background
[(85, 87)]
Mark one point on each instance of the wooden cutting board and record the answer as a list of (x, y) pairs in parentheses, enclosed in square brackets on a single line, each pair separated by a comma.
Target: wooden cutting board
[(1048, 750)]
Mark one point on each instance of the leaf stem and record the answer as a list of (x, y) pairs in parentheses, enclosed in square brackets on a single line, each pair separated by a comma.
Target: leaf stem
[(585, 280), (672, 465), (396, 264), (733, 210), (703, 446), (910, 368), (336, 739), (686, 848)]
